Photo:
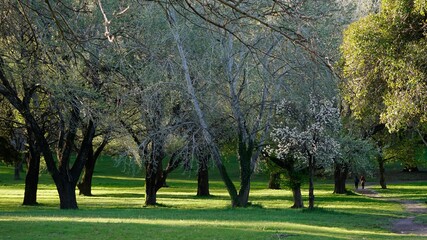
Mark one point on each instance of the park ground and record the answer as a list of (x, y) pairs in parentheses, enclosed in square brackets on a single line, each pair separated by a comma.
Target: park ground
[(117, 211)]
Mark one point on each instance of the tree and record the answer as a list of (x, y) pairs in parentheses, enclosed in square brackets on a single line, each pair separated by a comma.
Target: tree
[(12, 137), (19, 48), (355, 157), (250, 134), (384, 64), (60, 99), (85, 185), (294, 172), (307, 136), (254, 37)]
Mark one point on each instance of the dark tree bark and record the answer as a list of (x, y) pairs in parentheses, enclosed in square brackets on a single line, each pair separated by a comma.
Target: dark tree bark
[(340, 177), (203, 182), (153, 182), (155, 176), (245, 158), (296, 194), (203, 157), (85, 185), (154, 172), (67, 193), (65, 178), (32, 177), (17, 170), (274, 181), (381, 162), (203, 175)]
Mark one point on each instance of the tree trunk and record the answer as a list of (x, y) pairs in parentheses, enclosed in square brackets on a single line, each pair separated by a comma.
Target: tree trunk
[(311, 183), (340, 176), (274, 181), (85, 186), (153, 182), (203, 182), (245, 157), (382, 171), (17, 170), (153, 179), (296, 193), (67, 192), (150, 191), (32, 177)]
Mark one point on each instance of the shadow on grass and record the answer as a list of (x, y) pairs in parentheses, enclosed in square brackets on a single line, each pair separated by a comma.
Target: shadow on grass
[(119, 195), (194, 197)]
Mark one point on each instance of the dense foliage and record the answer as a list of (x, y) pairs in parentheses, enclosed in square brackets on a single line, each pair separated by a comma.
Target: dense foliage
[(385, 64)]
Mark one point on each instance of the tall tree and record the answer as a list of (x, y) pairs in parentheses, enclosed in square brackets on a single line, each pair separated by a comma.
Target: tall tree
[(356, 158), (384, 63), (62, 96)]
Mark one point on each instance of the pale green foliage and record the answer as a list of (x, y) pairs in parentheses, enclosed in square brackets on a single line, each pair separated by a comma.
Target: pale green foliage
[(385, 65), (356, 153)]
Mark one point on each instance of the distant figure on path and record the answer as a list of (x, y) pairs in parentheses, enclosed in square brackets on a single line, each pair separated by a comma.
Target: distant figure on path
[(356, 182), (362, 181)]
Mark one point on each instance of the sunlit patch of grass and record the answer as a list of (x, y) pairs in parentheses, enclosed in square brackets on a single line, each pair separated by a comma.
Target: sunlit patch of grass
[(410, 190)]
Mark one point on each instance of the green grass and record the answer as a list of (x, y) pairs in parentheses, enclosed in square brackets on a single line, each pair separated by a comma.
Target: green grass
[(117, 211)]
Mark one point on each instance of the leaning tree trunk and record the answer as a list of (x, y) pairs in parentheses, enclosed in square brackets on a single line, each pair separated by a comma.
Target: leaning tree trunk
[(205, 129), (382, 172), (340, 177), (274, 181), (32, 177)]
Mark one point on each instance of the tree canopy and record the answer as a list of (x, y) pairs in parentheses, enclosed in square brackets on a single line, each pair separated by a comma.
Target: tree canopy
[(384, 63)]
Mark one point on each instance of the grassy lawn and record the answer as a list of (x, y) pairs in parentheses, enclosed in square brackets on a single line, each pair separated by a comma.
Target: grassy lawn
[(117, 211)]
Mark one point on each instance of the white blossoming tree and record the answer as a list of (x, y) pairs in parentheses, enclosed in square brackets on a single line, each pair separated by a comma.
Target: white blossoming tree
[(305, 135)]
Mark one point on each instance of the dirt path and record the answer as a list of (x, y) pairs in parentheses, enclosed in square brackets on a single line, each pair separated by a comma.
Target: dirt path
[(405, 225)]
